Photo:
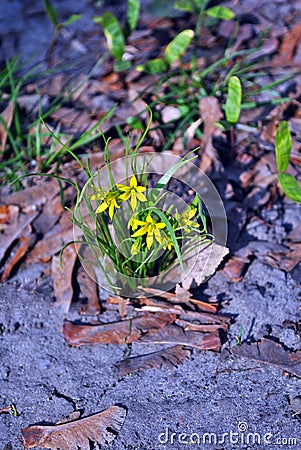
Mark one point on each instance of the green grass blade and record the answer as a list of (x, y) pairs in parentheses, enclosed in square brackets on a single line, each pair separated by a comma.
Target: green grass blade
[(51, 12), (283, 146)]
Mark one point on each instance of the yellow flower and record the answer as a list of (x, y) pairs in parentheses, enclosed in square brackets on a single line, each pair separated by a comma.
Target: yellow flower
[(184, 219), (167, 242), (136, 246), (109, 201), (150, 228), (132, 191)]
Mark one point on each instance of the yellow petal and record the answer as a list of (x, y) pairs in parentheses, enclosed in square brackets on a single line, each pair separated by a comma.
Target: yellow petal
[(141, 196), (133, 201), (122, 187), (125, 196), (149, 219), (111, 210), (141, 232), (133, 181), (160, 225), (140, 188), (158, 236), (149, 240), (101, 208)]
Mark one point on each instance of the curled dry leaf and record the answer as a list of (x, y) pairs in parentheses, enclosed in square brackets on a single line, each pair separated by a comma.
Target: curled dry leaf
[(62, 277), (100, 428), (18, 223), (271, 352), (206, 264), (89, 291), (170, 357), (7, 116), (23, 245), (210, 113), (125, 331), (174, 335)]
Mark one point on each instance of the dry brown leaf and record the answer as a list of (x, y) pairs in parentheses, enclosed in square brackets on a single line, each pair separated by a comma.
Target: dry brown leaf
[(100, 429), (289, 45), (52, 243), (88, 290), (174, 335), (206, 264), (7, 116), (62, 277), (24, 243), (17, 226), (170, 357), (182, 295), (271, 352), (125, 331), (210, 113), (35, 195)]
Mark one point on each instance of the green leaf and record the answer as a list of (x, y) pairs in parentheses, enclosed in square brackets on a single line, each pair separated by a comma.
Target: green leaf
[(233, 102), (153, 66), (220, 12), (178, 45), (133, 14), (135, 123), (113, 33), (283, 146), (184, 5), (122, 64), (290, 186), (51, 12), (73, 18)]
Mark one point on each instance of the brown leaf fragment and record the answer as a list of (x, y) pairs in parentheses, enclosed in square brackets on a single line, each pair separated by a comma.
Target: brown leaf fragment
[(210, 113), (170, 357), (52, 243), (5, 215), (7, 116), (124, 331), (236, 267), (201, 327), (289, 45), (271, 352), (100, 429), (88, 290), (35, 195), (62, 277), (12, 232), (206, 264), (22, 247), (174, 335)]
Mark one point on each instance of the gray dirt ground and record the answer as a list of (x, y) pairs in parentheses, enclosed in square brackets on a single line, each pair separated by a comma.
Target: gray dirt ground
[(211, 393)]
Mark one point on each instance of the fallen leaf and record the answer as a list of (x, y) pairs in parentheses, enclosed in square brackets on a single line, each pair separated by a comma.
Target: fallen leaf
[(62, 277), (13, 232), (295, 404), (290, 42), (89, 291), (170, 113), (174, 335), (210, 113), (206, 264), (24, 243), (170, 357), (271, 352), (99, 429), (34, 196), (122, 332), (7, 116)]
